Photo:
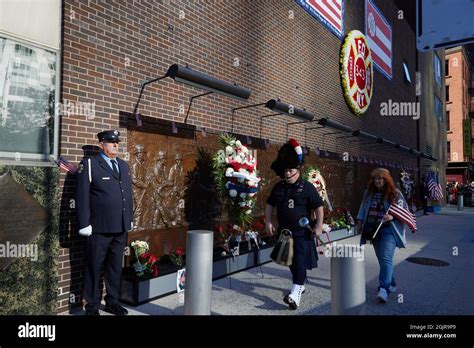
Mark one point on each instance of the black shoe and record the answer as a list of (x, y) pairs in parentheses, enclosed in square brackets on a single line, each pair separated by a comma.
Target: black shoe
[(92, 311), (116, 309), (292, 304)]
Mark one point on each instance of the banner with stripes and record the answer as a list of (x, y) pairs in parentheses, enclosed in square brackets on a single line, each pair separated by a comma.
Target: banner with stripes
[(379, 37), (434, 188), (404, 215), (329, 12), (67, 166)]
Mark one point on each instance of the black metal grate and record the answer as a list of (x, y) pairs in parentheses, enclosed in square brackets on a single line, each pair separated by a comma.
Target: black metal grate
[(427, 261)]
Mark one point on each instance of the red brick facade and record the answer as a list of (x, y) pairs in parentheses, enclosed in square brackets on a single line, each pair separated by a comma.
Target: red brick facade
[(458, 105)]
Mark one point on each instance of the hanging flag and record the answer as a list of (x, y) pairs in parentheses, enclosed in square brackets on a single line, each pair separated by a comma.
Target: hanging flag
[(434, 188), (406, 216), (64, 164), (330, 13), (379, 37)]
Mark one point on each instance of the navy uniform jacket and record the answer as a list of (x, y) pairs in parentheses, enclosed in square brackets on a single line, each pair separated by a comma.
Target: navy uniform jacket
[(294, 201), (105, 202)]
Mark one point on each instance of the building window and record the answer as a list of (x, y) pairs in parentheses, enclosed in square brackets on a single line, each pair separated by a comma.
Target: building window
[(447, 121), (438, 108), (449, 150), (28, 92), (447, 93), (406, 73), (446, 67), (437, 69)]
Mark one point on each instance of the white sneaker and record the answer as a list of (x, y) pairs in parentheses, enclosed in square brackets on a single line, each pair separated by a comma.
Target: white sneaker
[(295, 297), (286, 299), (392, 288), (382, 296)]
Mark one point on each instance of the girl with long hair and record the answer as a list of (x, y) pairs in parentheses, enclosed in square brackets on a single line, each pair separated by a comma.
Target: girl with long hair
[(381, 192)]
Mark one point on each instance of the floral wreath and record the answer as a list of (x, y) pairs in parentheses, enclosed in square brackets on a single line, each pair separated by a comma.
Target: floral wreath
[(349, 51), (236, 176), (406, 184), (313, 175)]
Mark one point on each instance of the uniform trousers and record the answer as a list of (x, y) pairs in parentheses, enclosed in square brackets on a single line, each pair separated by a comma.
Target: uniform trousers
[(103, 249)]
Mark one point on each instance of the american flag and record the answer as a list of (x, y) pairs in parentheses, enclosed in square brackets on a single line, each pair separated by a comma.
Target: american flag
[(379, 38), (406, 216), (66, 165), (434, 188), (329, 12)]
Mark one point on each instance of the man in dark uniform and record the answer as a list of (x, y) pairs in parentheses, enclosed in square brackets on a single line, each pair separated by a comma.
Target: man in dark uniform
[(295, 198), (105, 214)]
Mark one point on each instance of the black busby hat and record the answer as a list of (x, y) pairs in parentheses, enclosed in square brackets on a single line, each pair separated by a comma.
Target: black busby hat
[(290, 155), (109, 136)]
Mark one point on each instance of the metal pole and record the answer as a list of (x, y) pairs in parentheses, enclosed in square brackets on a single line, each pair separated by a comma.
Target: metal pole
[(347, 280), (460, 201), (199, 252)]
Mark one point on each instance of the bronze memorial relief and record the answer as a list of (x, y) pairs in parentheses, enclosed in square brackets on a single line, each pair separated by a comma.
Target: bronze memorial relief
[(22, 218), (173, 188)]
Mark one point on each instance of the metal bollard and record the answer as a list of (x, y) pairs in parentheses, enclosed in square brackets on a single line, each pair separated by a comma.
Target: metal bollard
[(199, 252), (460, 202), (347, 281)]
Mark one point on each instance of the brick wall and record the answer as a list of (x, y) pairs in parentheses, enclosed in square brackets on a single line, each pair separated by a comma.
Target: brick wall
[(109, 47), (458, 104)]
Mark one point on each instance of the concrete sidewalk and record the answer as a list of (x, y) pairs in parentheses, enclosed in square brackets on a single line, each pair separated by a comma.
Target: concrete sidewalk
[(422, 290)]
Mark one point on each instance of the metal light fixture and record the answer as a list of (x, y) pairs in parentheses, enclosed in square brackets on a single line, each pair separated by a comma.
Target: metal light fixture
[(334, 124), (367, 136), (197, 79), (287, 109), (388, 142), (404, 148)]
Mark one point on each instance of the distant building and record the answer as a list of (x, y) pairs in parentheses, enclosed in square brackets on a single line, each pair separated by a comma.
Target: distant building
[(458, 116)]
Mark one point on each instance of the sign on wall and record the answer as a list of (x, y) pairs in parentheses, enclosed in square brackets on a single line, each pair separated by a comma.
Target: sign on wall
[(329, 12), (379, 37), (356, 72)]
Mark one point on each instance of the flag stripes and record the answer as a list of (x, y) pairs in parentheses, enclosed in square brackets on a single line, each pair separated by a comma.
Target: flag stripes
[(403, 215)]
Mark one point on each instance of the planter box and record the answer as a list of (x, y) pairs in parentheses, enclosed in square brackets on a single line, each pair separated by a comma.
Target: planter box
[(339, 234), (136, 292)]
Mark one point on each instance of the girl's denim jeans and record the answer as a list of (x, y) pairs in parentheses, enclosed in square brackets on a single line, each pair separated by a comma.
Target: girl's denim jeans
[(384, 246)]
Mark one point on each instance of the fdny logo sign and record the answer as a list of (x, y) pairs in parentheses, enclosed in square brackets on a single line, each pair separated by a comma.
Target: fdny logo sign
[(356, 72)]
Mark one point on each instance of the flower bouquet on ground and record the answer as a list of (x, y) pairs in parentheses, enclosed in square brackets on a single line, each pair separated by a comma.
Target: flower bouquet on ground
[(236, 177), (145, 265), (177, 257), (338, 219)]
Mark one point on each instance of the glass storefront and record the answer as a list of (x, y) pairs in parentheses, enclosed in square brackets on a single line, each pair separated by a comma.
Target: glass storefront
[(27, 100)]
